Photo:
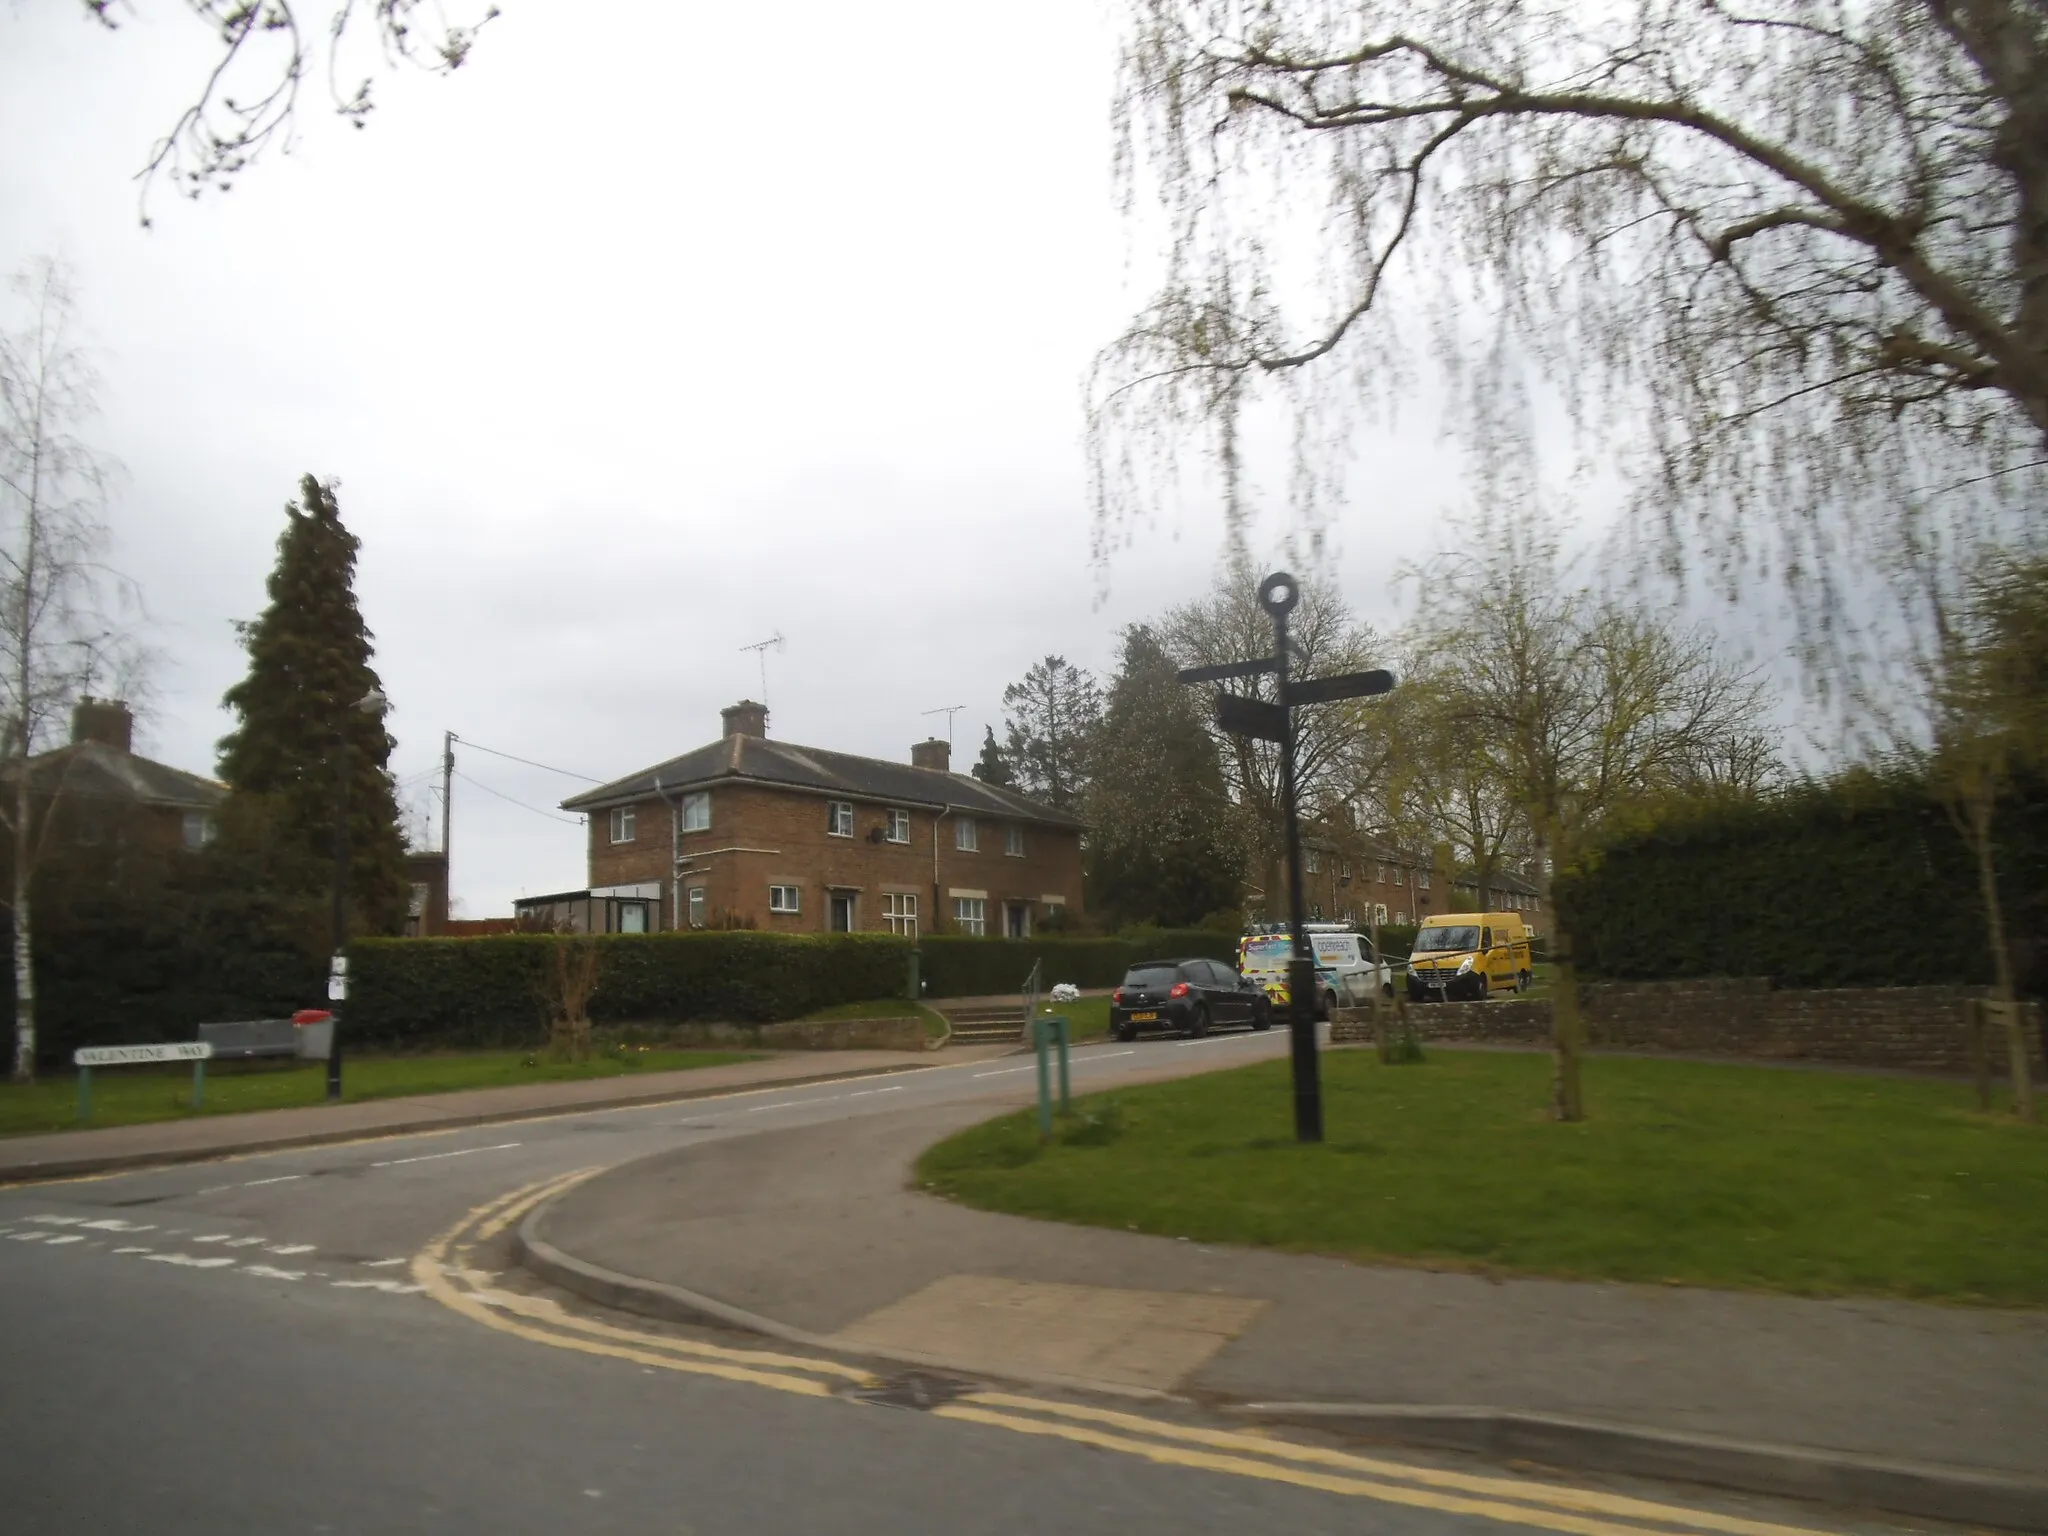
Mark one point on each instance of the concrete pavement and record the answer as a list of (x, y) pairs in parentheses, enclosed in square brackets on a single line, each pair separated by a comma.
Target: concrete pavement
[(71, 1154), (813, 1233)]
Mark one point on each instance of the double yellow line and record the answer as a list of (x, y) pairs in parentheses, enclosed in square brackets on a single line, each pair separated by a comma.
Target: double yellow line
[(442, 1269)]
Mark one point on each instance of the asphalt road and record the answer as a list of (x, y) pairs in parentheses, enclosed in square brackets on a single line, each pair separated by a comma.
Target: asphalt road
[(265, 1345)]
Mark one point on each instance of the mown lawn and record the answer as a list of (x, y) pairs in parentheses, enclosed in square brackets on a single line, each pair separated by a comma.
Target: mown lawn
[(1748, 1177), (133, 1095)]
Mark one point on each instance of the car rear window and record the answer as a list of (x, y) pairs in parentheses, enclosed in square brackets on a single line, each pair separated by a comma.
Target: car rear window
[(1152, 976)]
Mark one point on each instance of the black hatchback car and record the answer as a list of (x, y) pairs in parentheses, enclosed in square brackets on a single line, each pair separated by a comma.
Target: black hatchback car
[(1188, 996)]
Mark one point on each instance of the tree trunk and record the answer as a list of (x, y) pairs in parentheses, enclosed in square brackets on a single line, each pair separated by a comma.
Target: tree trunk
[(1567, 1090), (1981, 809), (24, 954)]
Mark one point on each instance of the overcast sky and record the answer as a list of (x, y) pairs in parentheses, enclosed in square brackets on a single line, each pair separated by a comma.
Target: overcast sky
[(632, 344)]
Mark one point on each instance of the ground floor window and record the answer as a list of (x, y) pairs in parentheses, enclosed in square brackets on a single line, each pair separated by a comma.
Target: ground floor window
[(970, 915), (899, 910), (697, 906), (632, 917), (782, 898)]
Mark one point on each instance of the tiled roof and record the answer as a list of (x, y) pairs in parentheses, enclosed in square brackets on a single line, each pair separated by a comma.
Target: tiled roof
[(92, 770), (759, 760)]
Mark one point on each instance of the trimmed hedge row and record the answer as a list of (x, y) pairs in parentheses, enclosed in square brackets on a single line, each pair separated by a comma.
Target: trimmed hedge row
[(1864, 882), (957, 966), (489, 991)]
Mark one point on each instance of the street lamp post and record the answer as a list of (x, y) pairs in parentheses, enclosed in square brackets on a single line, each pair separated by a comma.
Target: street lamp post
[(371, 703), (1243, 716)]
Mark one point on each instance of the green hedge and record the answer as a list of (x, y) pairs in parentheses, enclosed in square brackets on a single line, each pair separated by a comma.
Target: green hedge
[(460, 993), (957, 966), (1864, 882)]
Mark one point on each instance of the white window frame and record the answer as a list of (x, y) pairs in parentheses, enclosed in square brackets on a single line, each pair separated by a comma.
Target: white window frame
[(899, 826), (1422, 879), (697, 812), (1013, 841), (696, 903), (200, 829), (839, 818), (625, 823), (899, 913), (1312, 861), (966, 835), (1379, 912), (789, 894), (970, 915), (1397, 874)]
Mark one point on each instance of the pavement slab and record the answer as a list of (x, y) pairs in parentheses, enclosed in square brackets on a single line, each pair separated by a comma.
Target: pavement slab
[(817, 1229)]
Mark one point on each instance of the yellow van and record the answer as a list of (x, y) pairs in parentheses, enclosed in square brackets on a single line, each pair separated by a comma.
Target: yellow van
[(1468, 956)]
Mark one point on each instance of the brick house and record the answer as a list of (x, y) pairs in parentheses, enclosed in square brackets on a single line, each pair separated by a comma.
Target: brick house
[(107, 817), (752, 831), (1357, 880)]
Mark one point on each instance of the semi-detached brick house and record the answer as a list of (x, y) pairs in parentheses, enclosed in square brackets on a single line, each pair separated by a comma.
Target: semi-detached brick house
[(798, 840)]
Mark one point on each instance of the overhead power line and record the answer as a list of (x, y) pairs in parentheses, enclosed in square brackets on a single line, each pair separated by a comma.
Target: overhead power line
[(551, 816), (478, 746)]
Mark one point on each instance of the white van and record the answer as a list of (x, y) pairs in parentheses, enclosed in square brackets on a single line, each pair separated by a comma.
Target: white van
[(1346, 969)]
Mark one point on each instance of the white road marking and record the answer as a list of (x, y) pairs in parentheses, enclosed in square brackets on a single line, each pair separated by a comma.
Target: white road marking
[(132, 1250), (289, 1248), (28, 1237), (57, 1238), (381, 1263), (394, 1287), (1215, 1040), (1102, 1056), (213, 1237), (1006, 1071), (59, 1221), (282, 1178), (246, 1242), (189, 1261), (866, 1091), (434, 1157), (265, 1272), (212, 1189), (114, 1224)]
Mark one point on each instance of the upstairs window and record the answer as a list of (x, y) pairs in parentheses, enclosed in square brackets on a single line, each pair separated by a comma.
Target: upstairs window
[(1013, 842), (697, 813), (1311, 860), (839, 818), (899, 826), (1422, 879), (966, 837), (624, 819)]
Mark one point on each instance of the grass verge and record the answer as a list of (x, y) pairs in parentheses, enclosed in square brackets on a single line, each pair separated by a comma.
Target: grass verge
[(1745, 1177), (136, 1095)]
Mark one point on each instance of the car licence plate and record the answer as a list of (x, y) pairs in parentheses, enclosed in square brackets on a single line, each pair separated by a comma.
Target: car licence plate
[(1144, 1018)]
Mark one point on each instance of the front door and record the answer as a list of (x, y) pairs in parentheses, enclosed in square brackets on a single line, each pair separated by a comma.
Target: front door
[(841, 910), (1017, 920)]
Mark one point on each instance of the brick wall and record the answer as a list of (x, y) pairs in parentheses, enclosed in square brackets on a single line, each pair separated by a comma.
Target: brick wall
[(761, 836), (1916, 1028)]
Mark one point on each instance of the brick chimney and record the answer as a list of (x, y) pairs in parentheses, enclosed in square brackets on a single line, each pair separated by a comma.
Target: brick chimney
[(106, 721), (745, 718), (933, 754)]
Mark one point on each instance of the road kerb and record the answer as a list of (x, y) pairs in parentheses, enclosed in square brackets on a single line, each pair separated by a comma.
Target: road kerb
[(128, 1162), (1960, 1495)]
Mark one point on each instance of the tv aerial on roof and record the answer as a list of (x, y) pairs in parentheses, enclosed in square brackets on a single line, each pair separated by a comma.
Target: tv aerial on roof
[(761, 648), (949, 711)]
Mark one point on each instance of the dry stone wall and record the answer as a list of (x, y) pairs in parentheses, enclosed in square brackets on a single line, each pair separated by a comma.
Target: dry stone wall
[(1913, 1028)]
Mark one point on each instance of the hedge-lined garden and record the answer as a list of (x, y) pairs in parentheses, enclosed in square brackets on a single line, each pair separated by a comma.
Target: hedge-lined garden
[(1864, 882), (456, 993)]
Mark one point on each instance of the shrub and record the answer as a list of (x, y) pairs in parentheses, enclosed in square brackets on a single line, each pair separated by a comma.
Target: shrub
[(488, 991), (957, 966), (1861, 882)]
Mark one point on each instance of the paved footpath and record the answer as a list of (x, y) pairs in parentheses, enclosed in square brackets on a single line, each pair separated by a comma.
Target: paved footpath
[(69, 1154), (815, 1231)]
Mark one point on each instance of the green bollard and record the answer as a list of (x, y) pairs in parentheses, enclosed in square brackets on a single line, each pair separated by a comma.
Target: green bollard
[(84, 1095), (1038, 1042), (199, 1083)]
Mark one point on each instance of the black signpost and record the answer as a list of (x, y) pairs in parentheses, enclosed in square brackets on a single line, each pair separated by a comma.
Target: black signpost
[(1241, 716)]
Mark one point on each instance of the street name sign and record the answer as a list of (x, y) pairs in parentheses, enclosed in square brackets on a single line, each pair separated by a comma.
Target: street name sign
[(135, 1055)]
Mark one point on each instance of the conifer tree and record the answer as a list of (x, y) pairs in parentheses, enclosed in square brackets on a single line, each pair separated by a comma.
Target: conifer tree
[(992, 767), (301, 725)]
